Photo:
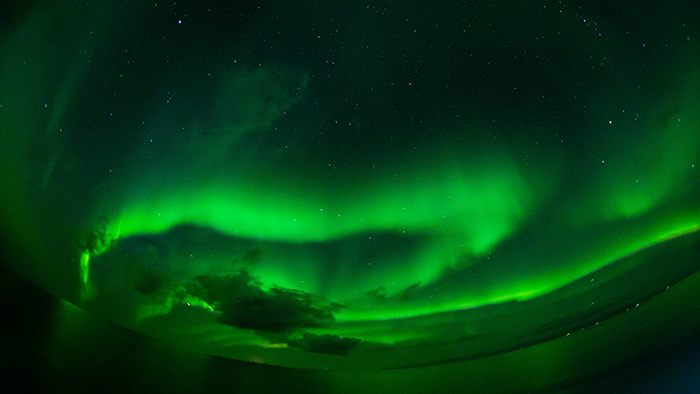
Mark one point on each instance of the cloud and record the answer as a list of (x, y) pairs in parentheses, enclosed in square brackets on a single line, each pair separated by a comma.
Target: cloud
[(137, 275), (277, 311), (379, 293), (279, 314), (407, 294), (326, 344), (244, 304), (132, 282)]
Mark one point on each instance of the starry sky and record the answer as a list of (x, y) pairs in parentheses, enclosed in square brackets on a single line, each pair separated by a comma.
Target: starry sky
[(349, 185)]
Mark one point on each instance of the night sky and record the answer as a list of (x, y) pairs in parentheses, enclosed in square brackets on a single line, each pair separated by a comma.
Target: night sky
[(360, 186)]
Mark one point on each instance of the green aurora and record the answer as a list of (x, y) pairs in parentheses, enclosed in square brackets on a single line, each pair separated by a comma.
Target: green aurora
[(271, 208)]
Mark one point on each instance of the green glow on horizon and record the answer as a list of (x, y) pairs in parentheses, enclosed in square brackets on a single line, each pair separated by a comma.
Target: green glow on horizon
[(525, 290), (514, 290), (679, 232)]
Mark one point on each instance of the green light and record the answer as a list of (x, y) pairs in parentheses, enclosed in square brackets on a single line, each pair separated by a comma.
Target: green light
[(481, 199), (196, 302), (87, 289), (147, 310), (678, 232), (84, 266), (521, 290), (366, 200)]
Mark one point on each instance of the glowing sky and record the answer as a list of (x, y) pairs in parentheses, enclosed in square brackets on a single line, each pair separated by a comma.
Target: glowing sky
[(301, 186)]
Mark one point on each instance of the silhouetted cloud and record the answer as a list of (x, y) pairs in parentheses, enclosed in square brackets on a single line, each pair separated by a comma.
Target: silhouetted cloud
[(279, 310), (244, 304), (279, 314), (136, 276), (407, 294), (327, 344)]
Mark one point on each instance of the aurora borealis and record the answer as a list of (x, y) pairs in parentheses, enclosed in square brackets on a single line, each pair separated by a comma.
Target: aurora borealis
[(355, 187)]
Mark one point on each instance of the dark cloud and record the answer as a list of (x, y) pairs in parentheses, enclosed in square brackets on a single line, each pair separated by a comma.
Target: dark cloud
[(407, 294), (221, 289), (143, 270), (277, 311), (279, 314), (379, 293), (129, 279), (244, 304), (137, 271), (327, 344)]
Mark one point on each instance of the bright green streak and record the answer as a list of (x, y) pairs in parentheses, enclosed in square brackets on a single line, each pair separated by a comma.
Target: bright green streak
[(479, 207), (194, 301), (87, 290), (84, 266)]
